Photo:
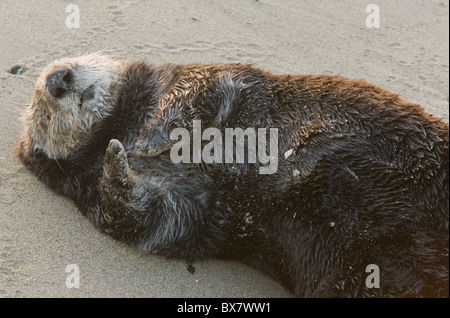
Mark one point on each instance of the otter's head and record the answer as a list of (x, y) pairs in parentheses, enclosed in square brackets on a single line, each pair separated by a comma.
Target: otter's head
[(71, 95)]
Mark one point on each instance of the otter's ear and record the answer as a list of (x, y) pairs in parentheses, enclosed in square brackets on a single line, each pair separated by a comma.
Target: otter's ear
[(154, 139)]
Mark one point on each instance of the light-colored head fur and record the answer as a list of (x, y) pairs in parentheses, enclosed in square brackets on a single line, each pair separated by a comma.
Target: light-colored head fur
[(58, 126)]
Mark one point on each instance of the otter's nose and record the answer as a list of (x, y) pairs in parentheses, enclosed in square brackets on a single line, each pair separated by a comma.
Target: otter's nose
[(59, 83)]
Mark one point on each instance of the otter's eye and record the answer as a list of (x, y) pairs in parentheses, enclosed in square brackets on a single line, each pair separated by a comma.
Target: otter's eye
[(87, 95), (81, 102)]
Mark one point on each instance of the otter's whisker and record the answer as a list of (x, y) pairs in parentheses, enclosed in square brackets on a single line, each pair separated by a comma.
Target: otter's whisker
[(59, 165)]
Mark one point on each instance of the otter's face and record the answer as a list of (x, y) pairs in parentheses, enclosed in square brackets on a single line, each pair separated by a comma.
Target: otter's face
[(71, 95)]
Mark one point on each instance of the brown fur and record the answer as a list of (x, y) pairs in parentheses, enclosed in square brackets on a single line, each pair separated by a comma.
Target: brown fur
[(366, 181)]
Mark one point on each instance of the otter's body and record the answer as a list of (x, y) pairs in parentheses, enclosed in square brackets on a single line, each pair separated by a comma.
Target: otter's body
[(362, 175)]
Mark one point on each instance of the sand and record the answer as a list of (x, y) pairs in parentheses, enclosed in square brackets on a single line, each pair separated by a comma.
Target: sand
[(41, 233)]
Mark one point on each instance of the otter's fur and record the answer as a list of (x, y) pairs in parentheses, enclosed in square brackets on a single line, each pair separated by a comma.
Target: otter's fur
[(366, 181)]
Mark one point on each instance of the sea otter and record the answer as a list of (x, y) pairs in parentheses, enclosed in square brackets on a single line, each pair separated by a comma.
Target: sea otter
[(361, 182)]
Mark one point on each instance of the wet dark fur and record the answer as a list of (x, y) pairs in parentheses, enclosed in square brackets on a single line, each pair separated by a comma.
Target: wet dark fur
[(372, 186)]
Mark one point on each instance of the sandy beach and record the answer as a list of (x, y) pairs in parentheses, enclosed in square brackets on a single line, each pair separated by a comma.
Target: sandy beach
[(41, 233)]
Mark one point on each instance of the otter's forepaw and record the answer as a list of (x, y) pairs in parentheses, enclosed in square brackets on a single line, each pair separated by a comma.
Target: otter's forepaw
[(152, 142), (116, 155), (143, 148), (116, 166)]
